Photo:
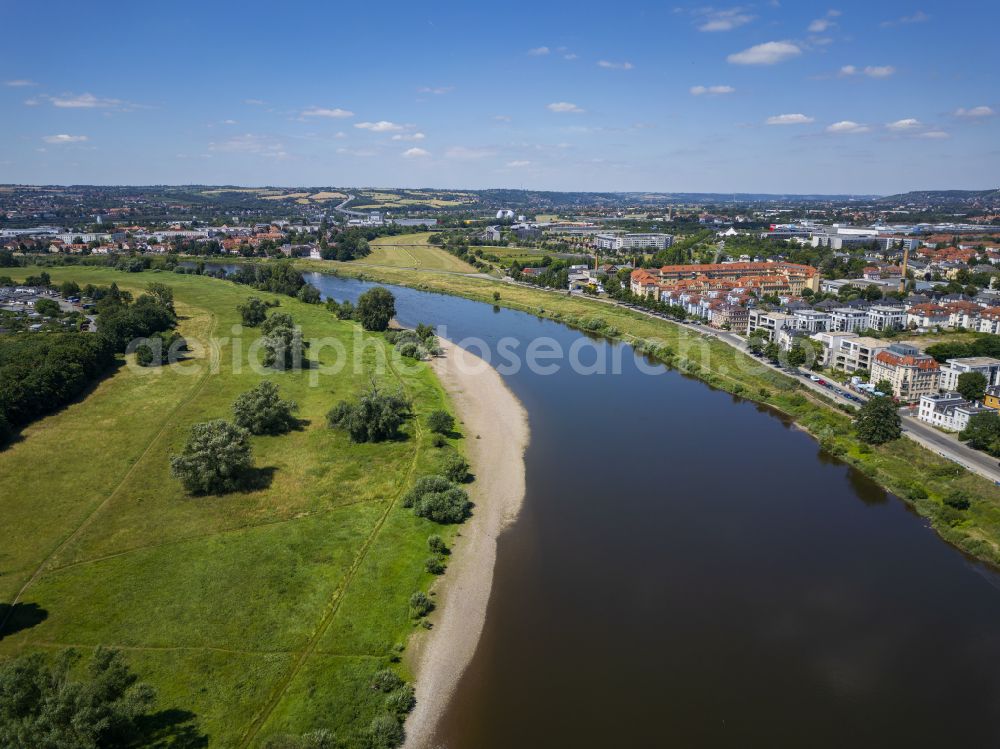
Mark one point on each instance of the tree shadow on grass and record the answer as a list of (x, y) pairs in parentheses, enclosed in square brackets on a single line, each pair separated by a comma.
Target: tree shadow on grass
[(20, 616), (174, 728), (257, 479)]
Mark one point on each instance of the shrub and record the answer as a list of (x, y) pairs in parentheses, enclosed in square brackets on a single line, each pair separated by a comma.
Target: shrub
[(957, 499), (321, 739), (374, 417), (401, 701), (309, 294), (915, 491), (436, 498), (216, 458), (456, 468), (263, 411), (438, 440), (434, 565), (440, 421), (436, 544), (386, 680), (385, 732), (410, 350), (420, 604), (158, 348)]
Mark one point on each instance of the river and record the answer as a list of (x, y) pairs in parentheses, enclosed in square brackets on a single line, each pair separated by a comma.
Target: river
[(691, 570)]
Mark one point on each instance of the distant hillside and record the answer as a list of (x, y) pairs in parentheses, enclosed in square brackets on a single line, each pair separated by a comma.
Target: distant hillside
[(956, 198)]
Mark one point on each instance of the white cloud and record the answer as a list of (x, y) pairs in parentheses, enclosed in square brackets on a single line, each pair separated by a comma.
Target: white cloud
[(409, 136), (436, 90), (903, 125), (415, 153), (564, 106), (820, 25), (518, 163), (254, 102), (83, 101), (614, 65), (872, 71), (464, 153), (570, 56), (259, 145), (229, 122), (382, 126), (974, 112), (768, 53), (363, 153), (539, 51), (57, 139), (879, 71), (340, 134), (336, 113), (790, 119), (19, 83), (935, 135), (724, 20), (502, 117), (847, 127), (712, 90), (918, 17)]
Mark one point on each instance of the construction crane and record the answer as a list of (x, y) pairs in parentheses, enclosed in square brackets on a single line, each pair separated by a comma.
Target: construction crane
[(906, 260)]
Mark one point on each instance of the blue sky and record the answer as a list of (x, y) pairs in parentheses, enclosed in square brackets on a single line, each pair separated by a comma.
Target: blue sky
[(862, 97)]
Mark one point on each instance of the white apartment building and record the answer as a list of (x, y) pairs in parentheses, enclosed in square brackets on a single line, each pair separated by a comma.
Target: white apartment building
[(618, 242), (985, 365), (811, 320), (857, 353), (831, 345), (848, 319), (948, 411), (772, 322), (882, 317)]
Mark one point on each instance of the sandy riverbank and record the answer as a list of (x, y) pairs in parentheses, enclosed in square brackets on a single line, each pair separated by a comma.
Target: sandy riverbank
[(487, 408)]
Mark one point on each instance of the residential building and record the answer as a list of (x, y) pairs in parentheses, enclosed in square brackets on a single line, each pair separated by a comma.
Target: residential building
[(831, 343), (883, 317), (953, 368), (811, 320), (730, 316), (772, 322), (948, 410), (848, 319), (911, 373), (992, 397), (797, 277), (856, 353), (619, 242), (927, 316)]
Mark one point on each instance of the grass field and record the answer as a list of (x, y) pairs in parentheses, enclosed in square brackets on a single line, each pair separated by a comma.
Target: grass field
[(412, 251), (913, 473), (261, 612)]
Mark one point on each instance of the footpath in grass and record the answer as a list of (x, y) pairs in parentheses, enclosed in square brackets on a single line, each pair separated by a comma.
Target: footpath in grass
[(915, 474), (260, 612)]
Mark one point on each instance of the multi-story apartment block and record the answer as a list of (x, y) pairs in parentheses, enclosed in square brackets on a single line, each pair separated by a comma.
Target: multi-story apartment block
[(856, 353), (948, 411), (619, 242), (953, 368), (911, 373), (848, 320), (831, 345), (772, 322), (812, 321), (883, 317)]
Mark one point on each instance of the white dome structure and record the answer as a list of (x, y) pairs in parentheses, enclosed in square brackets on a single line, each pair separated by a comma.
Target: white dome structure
[(505, 214)]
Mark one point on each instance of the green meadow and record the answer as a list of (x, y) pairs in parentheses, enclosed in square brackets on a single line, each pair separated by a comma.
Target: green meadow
[(252, 614)]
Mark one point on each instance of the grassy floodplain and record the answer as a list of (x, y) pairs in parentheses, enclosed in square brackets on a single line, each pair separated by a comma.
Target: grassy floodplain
[(910, 471), (262, 612), (412, 251)]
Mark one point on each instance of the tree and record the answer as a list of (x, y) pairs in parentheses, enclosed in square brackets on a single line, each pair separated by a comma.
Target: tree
[(376, 308), (374, 417), (440, 421), (47, 307), (884, 387), (796, 356), (69, 288), (878, 421), (158, 348), (253, 312), (983, 432), (772, 351), (47, 706), (309, 294), (456, 468), (216, 459), (263, 411), (162, 294), (972, 385)]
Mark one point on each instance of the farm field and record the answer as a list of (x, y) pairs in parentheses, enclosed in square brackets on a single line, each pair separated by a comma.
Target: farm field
[(252, 614), (412, 251)]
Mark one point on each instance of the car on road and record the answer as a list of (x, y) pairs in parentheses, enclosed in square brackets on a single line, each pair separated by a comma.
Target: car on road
[(814, 378)]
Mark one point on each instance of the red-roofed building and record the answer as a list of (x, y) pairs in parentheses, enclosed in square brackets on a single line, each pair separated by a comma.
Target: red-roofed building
[(911, 373)]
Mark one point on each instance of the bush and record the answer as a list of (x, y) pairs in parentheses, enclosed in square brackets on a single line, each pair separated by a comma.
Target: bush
[(436, 498), (376, 308), (263, 411), (420, 604), (374, 417), (216, 458), (158, 348), (401, 701), (957, 499), (321, 739), (282, 341), (309, 294), (253, 312), (386, 680), (436, 544), (440, 421), (434, 565), (438, 441), (456, 468), (385, 732)]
